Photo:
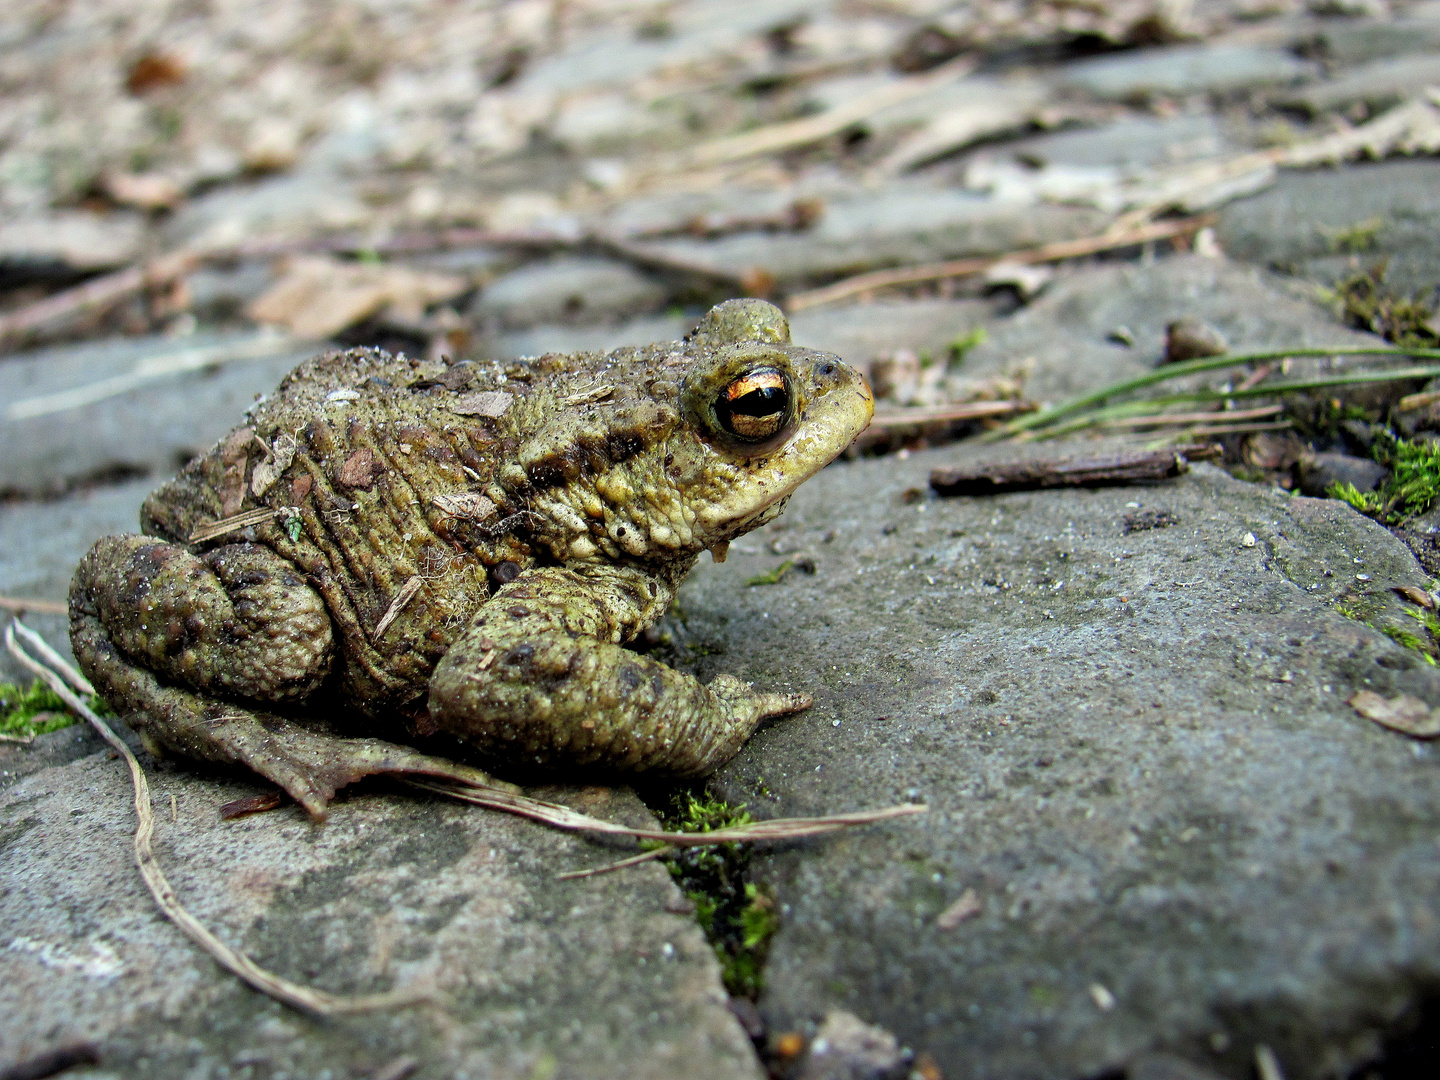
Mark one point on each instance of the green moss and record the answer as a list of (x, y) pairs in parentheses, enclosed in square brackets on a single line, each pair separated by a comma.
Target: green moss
[(1412, 488), (772, 577), (739, 917), (1367, 303), (1353, 239), (36, 710), (961, 346)]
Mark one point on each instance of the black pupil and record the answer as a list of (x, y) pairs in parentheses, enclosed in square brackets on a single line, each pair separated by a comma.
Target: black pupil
[(761, 402)]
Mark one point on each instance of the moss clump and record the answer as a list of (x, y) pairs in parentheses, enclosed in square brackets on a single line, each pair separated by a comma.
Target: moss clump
[(1353, 239), (29, 711), (1367, 303), (1412, 488), (739, 917)]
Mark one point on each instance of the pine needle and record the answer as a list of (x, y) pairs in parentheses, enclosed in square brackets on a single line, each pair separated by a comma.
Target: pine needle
[(562, 817)]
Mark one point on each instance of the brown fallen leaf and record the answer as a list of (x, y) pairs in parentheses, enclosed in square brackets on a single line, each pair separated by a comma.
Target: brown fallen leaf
[(317, 297), (1405, 714)]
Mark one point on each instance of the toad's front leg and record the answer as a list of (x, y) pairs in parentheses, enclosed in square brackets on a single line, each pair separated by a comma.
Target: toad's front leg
[(539, 677)]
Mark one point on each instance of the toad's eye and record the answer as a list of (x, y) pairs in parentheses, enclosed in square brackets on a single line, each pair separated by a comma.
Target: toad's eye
[(755, 405)]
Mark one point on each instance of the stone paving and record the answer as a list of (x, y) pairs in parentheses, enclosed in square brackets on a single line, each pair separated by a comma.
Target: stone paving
[(1159, 843)]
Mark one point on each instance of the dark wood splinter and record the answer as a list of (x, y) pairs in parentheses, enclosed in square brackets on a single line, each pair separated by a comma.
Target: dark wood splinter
[(1125, 467)]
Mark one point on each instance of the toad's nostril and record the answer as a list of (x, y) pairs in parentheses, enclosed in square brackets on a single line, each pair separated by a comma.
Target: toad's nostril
[(827, 368)]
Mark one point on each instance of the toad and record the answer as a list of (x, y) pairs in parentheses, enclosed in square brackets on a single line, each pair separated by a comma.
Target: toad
[(391, 547)]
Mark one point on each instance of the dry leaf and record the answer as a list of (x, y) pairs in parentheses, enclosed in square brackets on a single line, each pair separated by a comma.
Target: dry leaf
[(281, 454), (968, 906), (300, 488), (491, 403), (406, 594), (466, 504), (1405, 714), (234, 456), (319, 297), (359, 470)]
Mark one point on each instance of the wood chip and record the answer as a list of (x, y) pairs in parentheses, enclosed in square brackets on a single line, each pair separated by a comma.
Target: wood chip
[(233, 523), (253, 804), (1416, 596), (1405, 714), (491, 403), (469, 505), (359, 470), (967, 907), (1126, 467), (406, 594), (318, 297)]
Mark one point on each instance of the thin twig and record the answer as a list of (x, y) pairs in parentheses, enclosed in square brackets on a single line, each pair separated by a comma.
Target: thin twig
[(812, 129), (300, 997), (1056, 252), (98, 292), (634, 860), (40, 607), (967, 410)]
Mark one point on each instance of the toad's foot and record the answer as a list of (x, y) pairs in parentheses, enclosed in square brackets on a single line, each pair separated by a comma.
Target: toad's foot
[(309, 765)]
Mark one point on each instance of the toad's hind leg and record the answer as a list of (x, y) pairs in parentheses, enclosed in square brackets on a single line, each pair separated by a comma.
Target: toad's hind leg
[(139, 605), (538, 678)]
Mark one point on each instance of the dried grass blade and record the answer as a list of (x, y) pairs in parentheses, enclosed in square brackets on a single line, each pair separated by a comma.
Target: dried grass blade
[(233, 523), (293, 994), (54, 659), (562, 817), (40, 607), (968, 410), (634, 860), (1056, 252)]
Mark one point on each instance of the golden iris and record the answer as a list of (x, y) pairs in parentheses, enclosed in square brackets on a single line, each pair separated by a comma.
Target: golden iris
[(754, 406)]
